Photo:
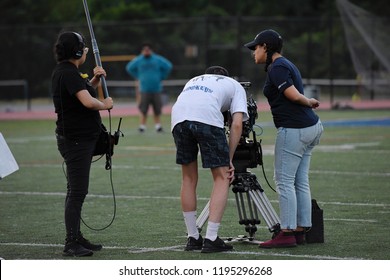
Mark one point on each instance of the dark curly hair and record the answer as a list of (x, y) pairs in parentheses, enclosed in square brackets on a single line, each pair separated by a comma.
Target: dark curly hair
[(217, 70)]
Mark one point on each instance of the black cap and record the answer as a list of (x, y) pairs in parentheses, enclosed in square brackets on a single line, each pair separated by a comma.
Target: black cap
[(217, 70), (270, 37)]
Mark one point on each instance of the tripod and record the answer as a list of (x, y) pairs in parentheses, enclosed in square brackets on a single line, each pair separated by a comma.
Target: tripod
[(249, 195)]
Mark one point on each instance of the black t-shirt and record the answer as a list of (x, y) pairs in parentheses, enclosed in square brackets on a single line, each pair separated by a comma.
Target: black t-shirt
[(74, 120), (281, 75)]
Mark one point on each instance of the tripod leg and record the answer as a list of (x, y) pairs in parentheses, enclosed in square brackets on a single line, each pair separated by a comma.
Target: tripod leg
[(238, 203), (266, 209), (256, 215), (241, 205), (204, 215), (247, 212), (251, 227), (252, 210), (267, 203)]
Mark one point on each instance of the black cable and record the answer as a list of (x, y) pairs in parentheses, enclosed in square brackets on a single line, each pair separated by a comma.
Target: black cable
[(114, 202), (108, 158), (261, 153), (114, 213), (111, 183), (265, 177)]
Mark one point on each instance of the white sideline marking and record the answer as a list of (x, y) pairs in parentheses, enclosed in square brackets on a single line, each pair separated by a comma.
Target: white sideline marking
[(176, 198), (94, 195), (179, 248), (173, 167), (352, 220), (200, 199), (350, 173)]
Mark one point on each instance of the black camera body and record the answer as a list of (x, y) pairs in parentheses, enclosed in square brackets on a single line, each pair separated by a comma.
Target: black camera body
[(248, 153)]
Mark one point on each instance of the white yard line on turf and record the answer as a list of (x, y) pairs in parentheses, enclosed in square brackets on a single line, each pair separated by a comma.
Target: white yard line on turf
[(174, 198), (173, 167), (179, 248)]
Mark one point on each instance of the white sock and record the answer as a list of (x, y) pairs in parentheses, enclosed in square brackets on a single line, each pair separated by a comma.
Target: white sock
[(212, 231), (190, 221), (158, 126), (142, 126)]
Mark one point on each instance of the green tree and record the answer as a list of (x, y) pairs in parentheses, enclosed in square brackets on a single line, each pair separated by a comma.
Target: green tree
[(62, 11)]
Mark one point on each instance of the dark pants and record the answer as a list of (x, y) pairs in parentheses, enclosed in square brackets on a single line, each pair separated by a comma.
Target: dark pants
[(78, 158)]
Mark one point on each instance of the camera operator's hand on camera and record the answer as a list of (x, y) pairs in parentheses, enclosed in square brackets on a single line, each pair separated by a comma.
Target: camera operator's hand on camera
[(231, 173)]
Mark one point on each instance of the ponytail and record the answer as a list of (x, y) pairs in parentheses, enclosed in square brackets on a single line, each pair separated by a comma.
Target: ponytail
[(268, 61)]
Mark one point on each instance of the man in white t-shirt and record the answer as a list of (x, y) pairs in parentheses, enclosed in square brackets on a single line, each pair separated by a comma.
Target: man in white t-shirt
[(198, 123)]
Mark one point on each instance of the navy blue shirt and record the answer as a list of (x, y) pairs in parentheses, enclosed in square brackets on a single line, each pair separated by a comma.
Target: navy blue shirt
[(281, 75)]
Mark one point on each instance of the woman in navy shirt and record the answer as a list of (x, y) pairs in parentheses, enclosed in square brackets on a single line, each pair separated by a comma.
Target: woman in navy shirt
[(299, 130)]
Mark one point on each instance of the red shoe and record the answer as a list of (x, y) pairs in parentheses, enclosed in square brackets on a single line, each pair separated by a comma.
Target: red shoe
[(281, 240)]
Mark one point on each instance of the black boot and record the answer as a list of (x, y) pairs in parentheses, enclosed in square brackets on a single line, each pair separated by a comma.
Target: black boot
[(88, 245), (74, 249)]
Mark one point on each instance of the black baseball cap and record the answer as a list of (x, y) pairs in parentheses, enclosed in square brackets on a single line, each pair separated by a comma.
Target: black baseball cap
[(269, 37)]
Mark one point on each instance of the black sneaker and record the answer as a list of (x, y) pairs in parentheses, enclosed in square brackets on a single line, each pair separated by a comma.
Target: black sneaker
[(218, 245), (88, 245), (74, 249), (159, 130), (194, 244)]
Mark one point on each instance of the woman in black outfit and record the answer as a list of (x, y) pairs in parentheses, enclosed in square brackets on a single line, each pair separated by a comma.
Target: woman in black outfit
[(78, 126)]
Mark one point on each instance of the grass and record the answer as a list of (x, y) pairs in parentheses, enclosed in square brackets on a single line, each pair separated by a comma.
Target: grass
[(349, 178)]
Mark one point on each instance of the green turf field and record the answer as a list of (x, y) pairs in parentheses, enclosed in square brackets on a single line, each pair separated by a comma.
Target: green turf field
[(349, 177)]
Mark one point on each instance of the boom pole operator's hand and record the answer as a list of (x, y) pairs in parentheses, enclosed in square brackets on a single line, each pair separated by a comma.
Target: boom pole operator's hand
[(108, 103), (98, 71)]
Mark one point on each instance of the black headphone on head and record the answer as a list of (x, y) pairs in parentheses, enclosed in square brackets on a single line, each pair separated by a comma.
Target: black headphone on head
[(79, 49)]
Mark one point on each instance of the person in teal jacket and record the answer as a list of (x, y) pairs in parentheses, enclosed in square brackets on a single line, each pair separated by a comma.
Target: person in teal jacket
[(149, 69)]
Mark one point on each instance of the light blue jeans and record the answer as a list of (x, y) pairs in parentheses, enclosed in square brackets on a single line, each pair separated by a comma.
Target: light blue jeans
[(293, 149)]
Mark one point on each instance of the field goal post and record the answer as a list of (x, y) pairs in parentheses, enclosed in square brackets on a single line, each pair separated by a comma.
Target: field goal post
[(21, 83), (113, 58)]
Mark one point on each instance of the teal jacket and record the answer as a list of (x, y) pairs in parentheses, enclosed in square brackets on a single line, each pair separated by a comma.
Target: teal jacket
[(150, 71)]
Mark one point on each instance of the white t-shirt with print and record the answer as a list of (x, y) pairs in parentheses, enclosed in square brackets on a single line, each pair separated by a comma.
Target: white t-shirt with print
[(204, 98)]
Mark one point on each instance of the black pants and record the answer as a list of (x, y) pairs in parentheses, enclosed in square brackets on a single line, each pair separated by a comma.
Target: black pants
[(78, 158)]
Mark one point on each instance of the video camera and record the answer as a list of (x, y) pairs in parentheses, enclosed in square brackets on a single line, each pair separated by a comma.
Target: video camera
[(248, 153)]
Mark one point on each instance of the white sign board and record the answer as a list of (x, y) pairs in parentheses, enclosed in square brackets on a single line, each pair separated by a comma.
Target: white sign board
[(8, 163)]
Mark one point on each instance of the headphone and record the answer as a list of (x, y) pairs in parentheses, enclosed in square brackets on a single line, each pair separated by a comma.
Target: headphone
[(79, 49)]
